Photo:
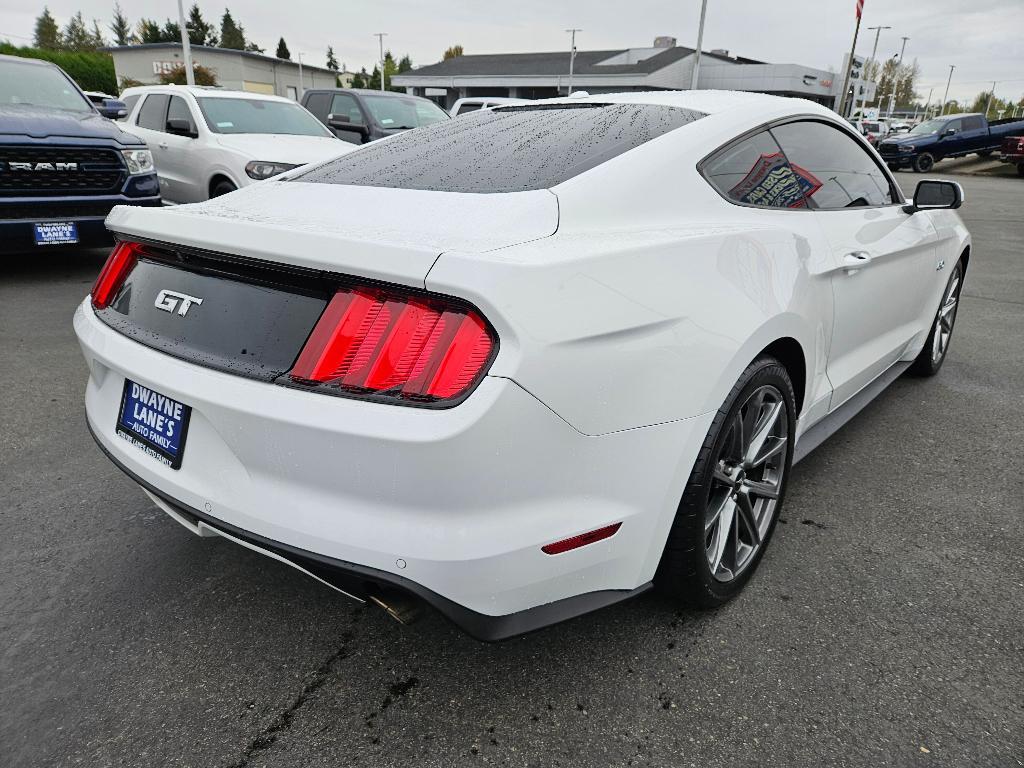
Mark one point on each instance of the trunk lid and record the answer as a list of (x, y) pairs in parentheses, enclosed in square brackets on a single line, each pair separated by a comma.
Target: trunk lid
[(394, 235)]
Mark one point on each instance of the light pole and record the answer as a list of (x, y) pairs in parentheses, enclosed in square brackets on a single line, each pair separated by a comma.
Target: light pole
[(186, 48), (991, 94), (874, 50), (302, 85), (572, 57), (946, 94), (700, 41), (896, 76), (380, 37)]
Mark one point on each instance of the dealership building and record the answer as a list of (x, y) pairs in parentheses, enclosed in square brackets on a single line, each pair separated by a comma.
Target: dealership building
[(237, 70), (663, 66)]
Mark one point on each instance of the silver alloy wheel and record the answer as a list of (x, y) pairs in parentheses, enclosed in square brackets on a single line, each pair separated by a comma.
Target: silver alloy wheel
[(946, 317), (746, 483)]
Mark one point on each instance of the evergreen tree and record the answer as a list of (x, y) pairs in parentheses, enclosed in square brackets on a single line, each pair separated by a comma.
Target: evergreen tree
[(75, 36), (404, 64), (332, 63), (251, 46), (171, 33), (200, 31), (121, 27), (282, 50), (231, 35), (451, 53), (360, 78), (96, 36), (149, 31), (47, 34)]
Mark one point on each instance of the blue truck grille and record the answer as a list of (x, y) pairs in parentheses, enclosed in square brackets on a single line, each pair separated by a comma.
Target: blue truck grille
[(35, 171)]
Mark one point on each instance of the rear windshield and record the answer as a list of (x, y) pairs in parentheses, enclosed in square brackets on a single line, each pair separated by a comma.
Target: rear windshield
[(511, 149)]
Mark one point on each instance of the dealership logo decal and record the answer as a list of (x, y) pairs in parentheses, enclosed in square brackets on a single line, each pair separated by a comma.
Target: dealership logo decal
[(42, 166), (169, 301)]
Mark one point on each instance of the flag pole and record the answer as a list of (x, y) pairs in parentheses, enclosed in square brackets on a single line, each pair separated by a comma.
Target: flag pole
[(849, 63)]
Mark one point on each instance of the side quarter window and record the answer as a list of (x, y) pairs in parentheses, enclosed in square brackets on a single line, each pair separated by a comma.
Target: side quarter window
[(153, 112), (754, 171), (837, 170)]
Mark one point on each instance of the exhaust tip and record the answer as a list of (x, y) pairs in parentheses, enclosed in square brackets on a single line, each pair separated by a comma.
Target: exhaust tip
[(403, 609)]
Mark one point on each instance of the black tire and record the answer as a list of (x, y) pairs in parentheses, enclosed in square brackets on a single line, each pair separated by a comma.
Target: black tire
[(1020, 169), (685, 572), (893, 166), (924, 162), (985, 152), (222, 187), (930, 360)]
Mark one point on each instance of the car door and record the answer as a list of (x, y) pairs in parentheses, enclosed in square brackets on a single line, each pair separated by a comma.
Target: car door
[(951, 140), (346, 104), (177, 150), (975, 135), (882, 260), (149, 126)]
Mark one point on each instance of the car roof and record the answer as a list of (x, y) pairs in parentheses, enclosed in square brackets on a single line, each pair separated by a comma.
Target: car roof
[(707, 101), (200, 90), (367, 92), (26, 60)]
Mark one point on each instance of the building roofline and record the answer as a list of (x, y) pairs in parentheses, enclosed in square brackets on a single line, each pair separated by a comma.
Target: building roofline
[(215, 49)]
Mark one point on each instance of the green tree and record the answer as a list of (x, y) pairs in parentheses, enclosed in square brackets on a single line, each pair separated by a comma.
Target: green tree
[(390, 70), (282, 50), (893, 77), (453, 51), (231, 35), (332, 63), (250, 45), (47, 35), (360, 78), (148, 31), (404, 64), (75, 36), (200, 31), (120, 27), (96, 36), (171, 33), (203, 76)]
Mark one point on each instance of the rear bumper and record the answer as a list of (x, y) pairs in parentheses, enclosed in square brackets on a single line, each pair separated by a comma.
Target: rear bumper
[(18, 217), (452, 505)]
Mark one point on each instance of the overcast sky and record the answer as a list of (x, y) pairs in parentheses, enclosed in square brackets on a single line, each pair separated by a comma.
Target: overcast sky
[(981, 37)]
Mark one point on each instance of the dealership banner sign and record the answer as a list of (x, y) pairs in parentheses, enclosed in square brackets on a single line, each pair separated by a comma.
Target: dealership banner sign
[(774, 183)]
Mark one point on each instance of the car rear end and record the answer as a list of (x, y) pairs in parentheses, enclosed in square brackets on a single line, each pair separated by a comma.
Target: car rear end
[(1012, 151)]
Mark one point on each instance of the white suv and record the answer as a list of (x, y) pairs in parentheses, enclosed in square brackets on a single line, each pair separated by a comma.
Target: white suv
[(207, 142)]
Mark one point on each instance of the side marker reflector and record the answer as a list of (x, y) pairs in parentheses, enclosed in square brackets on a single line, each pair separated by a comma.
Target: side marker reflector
[(575, 542)]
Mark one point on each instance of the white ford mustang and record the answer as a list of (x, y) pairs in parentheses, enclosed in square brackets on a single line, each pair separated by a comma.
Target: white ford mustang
[(526, 363)]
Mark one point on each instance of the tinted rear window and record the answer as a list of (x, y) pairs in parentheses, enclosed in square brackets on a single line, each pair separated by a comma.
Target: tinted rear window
[(512, 149)]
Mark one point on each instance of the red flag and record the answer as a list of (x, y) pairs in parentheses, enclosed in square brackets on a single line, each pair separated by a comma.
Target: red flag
[(860, 8)]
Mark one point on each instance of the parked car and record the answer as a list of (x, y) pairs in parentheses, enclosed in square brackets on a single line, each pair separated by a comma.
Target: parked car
[(899, 127), (527, 363), (1012, 152), (872, 130), (474, 103), (208, 142), (359, 116), (109, 106), (947, 136), (62, 165)]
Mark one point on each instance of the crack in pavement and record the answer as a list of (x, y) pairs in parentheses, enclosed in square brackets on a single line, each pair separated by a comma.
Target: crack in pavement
[(268, 736)]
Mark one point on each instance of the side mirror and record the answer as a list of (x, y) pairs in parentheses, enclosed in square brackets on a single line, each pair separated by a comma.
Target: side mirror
[(113, 109), (344, 123), (949, 132), (932, 194), (179, 126)]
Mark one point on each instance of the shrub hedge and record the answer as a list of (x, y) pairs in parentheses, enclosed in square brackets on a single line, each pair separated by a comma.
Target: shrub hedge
[(92, 70)]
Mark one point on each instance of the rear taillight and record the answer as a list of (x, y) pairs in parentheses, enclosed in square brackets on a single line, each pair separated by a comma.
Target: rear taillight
[(121, 261), (388, 344)]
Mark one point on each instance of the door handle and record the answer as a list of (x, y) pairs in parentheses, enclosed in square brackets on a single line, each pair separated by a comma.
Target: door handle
[(855, 261), (162, 145)]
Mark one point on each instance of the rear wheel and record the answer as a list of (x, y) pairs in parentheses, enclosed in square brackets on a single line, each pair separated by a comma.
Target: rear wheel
[(735, 491), (933, 355), (985, 153), (1020, 169), (924, 162), (222, 187)]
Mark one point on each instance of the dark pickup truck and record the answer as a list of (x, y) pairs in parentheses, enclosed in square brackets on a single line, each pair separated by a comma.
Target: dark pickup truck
[(63, 166), (946, 136), (1012, 152)]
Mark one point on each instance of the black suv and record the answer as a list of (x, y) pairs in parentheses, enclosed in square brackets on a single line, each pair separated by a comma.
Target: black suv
[(358, 116)]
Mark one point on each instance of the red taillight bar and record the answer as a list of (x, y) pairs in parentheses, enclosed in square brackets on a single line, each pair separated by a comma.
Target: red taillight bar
[(405, 346), (575, 542), (121, 261)]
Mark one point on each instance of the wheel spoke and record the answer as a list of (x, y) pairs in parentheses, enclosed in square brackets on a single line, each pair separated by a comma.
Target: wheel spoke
[(763, 488), (762, 432), (746, 510), (723, 533), (721, 475), (772, 447)]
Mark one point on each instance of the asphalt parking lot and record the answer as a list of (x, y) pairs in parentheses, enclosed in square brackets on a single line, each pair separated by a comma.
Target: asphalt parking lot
[(884, 627)]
